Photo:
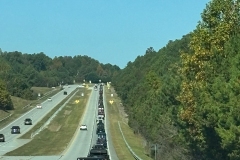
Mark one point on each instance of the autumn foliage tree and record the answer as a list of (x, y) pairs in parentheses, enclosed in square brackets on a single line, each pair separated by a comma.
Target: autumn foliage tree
[(204, 90)]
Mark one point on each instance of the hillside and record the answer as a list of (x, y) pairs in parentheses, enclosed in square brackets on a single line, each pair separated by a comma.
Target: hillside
[(23, 71), (184, 97)]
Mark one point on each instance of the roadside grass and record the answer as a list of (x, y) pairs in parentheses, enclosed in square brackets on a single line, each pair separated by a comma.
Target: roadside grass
[(135, 141), (4, 114), (41, 90), (115, 114), (118, 142), (22, 106), (54, 139)]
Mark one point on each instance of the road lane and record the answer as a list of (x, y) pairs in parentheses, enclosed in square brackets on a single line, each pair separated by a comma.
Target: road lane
[(81, 142), (36, 115)]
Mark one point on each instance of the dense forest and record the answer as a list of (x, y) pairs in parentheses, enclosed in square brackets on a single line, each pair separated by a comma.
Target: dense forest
[(185, 97), (20, 72)]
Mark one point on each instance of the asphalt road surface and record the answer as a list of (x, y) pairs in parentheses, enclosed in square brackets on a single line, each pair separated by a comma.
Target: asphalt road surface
[(11, 140), (81, 142), (84, 140)]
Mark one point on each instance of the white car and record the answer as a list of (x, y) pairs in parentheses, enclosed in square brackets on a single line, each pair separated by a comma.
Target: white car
[(39, 106), (83, 127), (49, 99)]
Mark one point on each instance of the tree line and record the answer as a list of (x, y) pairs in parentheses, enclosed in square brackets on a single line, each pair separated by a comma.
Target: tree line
[(185, 97), (20, 72)]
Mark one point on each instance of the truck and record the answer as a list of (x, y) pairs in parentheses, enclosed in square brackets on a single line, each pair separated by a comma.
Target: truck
[(96, 154), (90, 158), (100, 129), (99, 153)]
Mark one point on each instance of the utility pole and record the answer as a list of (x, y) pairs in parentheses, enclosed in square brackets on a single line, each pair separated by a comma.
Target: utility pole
[(155, 147), (155, 151)]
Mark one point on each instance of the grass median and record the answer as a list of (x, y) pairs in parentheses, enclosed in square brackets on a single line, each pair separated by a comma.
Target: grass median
[(54, 139), (135, 141)]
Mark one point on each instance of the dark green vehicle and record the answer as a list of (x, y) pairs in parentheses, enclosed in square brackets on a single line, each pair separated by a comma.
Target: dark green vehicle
[(2, 138), (28, 121)]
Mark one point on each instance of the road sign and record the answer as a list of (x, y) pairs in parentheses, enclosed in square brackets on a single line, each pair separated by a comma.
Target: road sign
[(111, 101)]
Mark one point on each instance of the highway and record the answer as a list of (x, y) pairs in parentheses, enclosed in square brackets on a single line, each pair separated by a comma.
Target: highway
[(84, 140), (12, 141), (81, 142)]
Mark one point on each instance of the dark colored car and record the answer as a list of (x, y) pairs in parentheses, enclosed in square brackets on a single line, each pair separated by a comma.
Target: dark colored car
[(65, 92), (91, 158), (28, 121), (2, 138), (15, 130)]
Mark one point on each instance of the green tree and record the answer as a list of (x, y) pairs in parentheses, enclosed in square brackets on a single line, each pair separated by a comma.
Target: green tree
[(204, 71), (5, 99)]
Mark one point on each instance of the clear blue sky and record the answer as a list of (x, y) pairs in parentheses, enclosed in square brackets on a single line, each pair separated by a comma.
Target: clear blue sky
[(113, 31)]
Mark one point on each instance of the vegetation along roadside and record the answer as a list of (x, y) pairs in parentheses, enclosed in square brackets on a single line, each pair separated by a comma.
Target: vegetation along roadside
[(116, 114)]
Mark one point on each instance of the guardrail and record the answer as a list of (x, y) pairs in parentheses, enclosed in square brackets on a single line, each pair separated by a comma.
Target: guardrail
[(130, 149)]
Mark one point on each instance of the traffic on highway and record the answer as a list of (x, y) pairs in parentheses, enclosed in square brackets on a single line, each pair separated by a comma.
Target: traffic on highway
[(90, 140), (20, 126), (99, 148)]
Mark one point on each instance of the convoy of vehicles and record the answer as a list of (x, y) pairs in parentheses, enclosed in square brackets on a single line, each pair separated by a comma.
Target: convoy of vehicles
[(99, 150)]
